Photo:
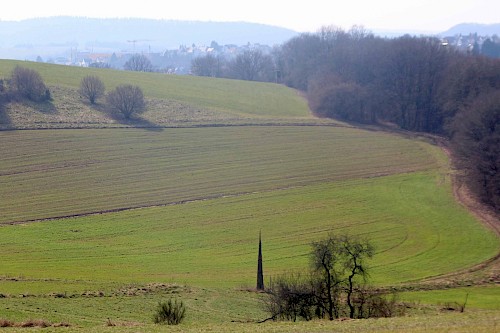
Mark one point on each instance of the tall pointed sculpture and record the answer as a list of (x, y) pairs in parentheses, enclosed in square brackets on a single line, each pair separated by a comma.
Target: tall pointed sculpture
[(260, 272)]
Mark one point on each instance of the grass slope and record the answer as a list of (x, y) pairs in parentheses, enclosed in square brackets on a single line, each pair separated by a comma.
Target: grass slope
[(240, 98)]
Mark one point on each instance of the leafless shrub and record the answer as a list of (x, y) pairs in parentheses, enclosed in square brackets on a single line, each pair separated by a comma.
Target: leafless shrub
[(370, 303), (127, 99), (27, 83), (92, 88), (456, 306), (291, 296)]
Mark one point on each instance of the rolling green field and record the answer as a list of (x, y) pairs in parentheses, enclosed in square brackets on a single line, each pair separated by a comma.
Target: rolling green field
[(213, 242), (104, 222), (205, 195)]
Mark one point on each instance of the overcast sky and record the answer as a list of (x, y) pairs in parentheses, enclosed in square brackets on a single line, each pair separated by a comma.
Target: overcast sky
[(303, 15)]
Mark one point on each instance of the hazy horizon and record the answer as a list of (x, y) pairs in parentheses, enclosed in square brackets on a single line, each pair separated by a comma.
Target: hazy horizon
[(387, 15)]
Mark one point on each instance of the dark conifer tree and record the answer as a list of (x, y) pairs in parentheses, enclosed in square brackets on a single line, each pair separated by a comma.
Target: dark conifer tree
[(260, 273)]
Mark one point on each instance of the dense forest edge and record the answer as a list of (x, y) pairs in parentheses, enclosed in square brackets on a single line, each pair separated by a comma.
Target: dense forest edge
[(418, 84)]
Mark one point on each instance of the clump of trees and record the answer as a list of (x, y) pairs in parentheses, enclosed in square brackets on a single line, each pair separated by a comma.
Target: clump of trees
[(335, 287), (251, 65), (208, 65), (356, 76), (139, 63), (491, 48)]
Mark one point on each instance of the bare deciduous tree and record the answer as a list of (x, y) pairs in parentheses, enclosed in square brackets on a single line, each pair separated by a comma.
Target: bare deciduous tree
[(92, 88), (28, 83), (139, 63), (252, 65), (353, 255), (291, 296), (127, 99), (208, 65), (335, 287)]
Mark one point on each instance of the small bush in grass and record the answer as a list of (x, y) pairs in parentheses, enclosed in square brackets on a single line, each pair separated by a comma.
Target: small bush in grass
[(169, 312)]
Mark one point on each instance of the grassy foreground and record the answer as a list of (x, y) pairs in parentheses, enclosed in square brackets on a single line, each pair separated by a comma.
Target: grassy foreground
[(215, 310), (222, 310)]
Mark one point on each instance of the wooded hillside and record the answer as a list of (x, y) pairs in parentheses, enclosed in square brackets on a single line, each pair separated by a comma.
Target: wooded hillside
[(417, 83)]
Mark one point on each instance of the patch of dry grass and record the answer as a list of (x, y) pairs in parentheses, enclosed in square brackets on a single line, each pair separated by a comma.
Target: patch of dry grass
[(41, 323)]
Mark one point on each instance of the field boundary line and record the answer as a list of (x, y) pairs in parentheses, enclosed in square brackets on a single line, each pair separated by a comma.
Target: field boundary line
[(123, 209), (180, 126)]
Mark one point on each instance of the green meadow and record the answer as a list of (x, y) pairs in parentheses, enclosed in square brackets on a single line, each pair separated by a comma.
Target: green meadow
[(99, 223), (484, 297)]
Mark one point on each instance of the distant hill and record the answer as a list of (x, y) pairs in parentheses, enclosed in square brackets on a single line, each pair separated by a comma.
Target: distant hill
[(459, 29), (42, 36), (468, 28)]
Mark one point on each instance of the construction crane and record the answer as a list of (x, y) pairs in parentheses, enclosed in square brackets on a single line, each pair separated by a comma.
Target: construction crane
[(134, 41)]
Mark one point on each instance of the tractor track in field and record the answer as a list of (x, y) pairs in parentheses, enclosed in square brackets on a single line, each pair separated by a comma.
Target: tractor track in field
[(146, 206), (117, 210)]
